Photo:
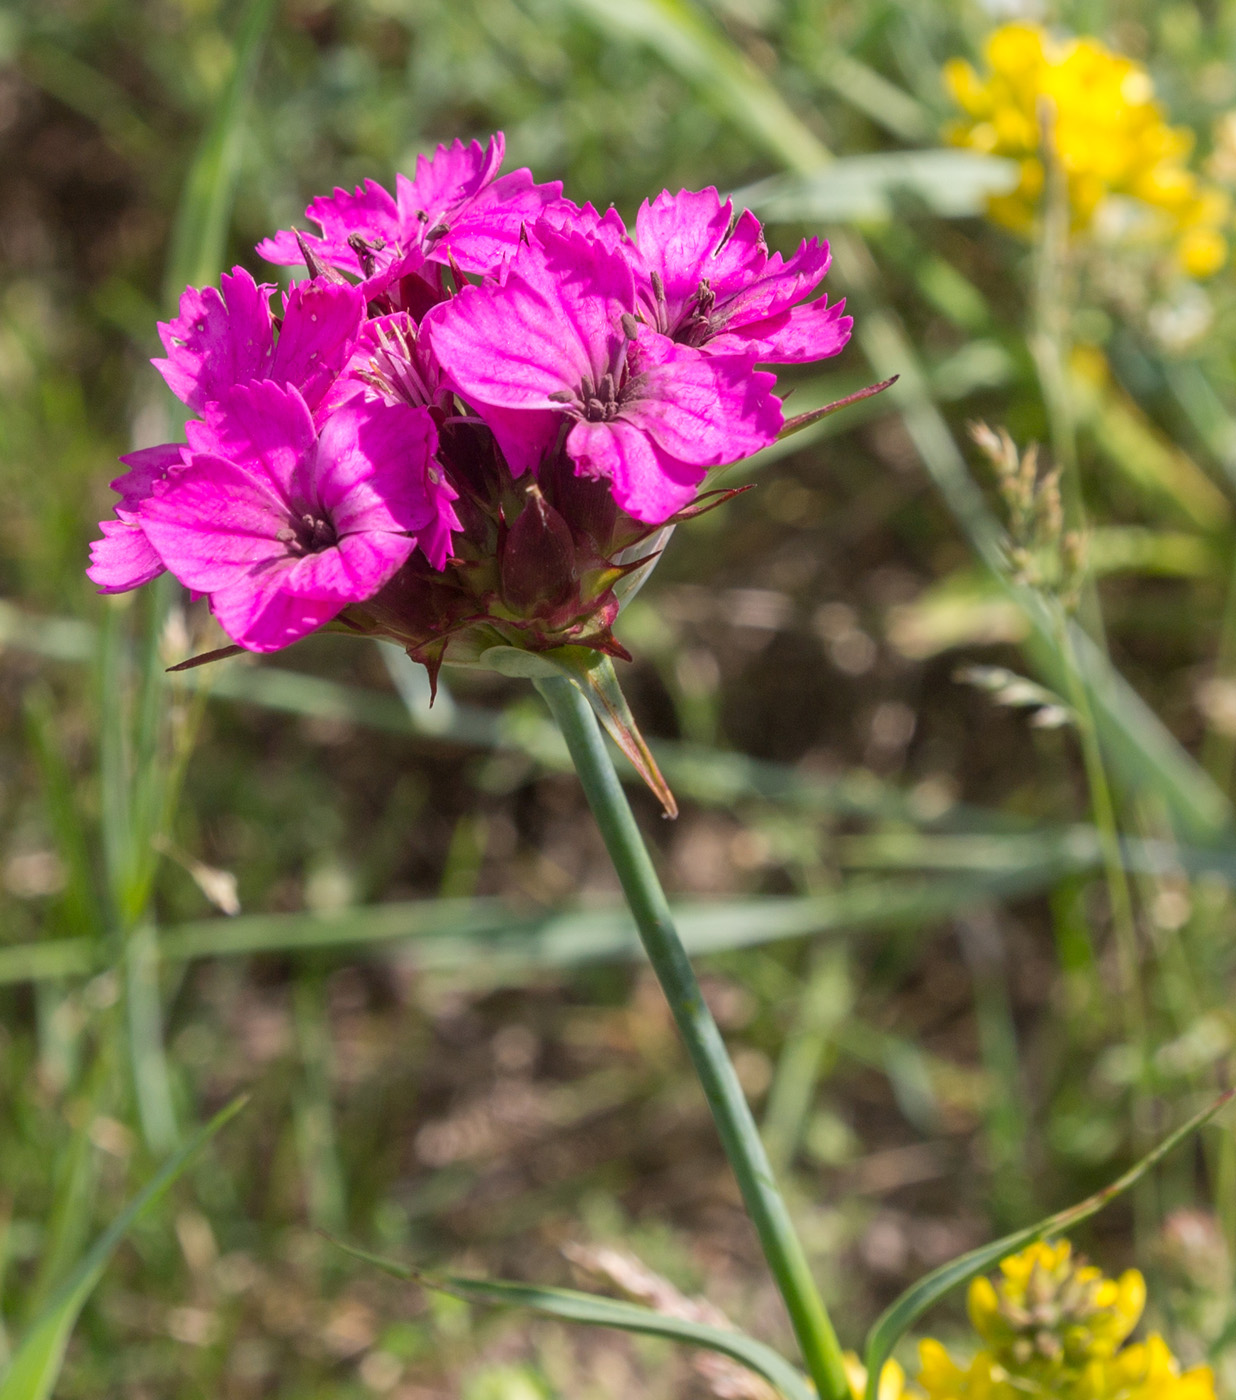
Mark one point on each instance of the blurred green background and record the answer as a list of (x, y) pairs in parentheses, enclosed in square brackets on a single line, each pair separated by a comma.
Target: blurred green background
[(396, 927)]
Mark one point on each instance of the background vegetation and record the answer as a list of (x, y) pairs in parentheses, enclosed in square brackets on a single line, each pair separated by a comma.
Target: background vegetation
[(453, 1053)]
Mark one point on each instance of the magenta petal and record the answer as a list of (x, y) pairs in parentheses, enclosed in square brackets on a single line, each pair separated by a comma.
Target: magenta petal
[(146, 466), (371, 470), (368, 212), (219, 339), (320, 324), (214, 522), (263, 615), (646, 482), (267, 427), (683, 238), (123, 558), (607, 229), (555, 319), (779, 286), (353, 570), (797, 336), (458, 207), (283, 249), (524, 436), (700, 408)]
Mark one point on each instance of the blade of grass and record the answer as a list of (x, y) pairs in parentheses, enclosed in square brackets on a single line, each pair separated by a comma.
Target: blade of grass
[(152, 1078), (897, 1319), (493, 940), (316, 1140), (36, 1364), (81, 905), (199, 237), (593, 1310), (826, 1001)]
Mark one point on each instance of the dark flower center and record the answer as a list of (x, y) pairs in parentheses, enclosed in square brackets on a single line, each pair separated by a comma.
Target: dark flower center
[(601, 404), (310, 534)]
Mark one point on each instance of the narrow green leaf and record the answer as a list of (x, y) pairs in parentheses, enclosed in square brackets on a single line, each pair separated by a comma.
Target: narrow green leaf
[(897, 1319), (952, 184), (81, 904), (569, 1305), (199, 238), (727, 79), (36, 1363)]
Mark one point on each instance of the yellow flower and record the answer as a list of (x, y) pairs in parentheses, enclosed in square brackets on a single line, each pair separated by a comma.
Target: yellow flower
[(1097, 111), (1056, 1328), (892, 1380)]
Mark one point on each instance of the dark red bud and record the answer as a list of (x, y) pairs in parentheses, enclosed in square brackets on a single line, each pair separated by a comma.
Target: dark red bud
[(538, 558)]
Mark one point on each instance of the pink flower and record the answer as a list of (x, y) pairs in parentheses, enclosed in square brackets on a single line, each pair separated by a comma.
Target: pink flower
[(283, 527), (220, 339), (709, 282), (557, 344), (124, 558), (456, 209), (227, 336)]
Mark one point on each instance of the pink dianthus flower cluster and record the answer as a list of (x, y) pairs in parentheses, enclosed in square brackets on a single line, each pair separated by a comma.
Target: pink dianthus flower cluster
[(458, 428)]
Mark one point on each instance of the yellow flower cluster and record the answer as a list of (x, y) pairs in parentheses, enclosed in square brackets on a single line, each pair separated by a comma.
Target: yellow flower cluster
[(1106, 130), (1053, 1327)]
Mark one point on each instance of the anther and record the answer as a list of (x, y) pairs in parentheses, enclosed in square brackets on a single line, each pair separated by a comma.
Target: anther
[(364, 253), (630, 326)]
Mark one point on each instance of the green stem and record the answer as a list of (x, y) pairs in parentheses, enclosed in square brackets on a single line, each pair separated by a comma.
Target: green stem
[(739, 1134), (1103, 810)]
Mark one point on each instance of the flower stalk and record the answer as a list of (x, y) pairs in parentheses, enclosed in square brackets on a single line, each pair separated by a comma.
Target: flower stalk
[(739, 1135)]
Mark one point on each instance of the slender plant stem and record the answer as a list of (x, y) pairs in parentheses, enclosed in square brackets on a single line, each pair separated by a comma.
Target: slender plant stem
[(1103, 809), (739, 1134)]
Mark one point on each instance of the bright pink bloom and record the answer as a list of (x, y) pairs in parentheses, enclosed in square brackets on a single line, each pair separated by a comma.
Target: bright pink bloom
[(392, 359), (224, 337), (558, 342), (227, 336), (709, 282), (457, 209), (283, 527), (123, 558)]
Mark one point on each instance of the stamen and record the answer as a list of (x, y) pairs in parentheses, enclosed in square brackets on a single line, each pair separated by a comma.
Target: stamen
[(364, 251), (630, 326)]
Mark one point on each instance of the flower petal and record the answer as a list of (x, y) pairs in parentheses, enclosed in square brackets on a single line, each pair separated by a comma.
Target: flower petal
[(555, 319), (221, 337), (321, 321), (123, 559), (263, 615), (371, 471), (215, 522), (262, 426), (705, 409), (646, 482)]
